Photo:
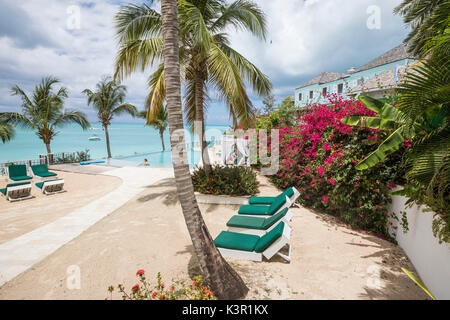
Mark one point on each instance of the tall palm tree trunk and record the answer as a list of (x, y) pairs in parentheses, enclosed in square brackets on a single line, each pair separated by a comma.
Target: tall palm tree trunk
[(47, 145), (224, 281), (199, 115), (108, 146), (161, 134)]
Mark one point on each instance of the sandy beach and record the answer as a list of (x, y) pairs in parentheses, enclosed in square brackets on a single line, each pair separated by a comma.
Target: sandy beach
[(18, 218), (329, 260)]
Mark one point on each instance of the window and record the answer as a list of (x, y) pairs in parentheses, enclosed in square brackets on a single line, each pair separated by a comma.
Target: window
[(340, 88), (311, 94), (299, 97), (324, 91)]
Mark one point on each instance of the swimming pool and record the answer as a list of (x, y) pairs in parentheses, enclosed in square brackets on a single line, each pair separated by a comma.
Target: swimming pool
[(155, 159)]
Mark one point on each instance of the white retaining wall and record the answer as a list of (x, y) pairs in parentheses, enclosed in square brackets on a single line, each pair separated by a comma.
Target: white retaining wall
[(431, 259)]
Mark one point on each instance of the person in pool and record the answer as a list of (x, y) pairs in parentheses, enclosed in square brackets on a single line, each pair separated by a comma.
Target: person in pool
[(146, 164)]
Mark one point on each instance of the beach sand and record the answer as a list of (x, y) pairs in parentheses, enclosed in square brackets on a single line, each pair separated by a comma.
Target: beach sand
[(329, 260), (18, 218)]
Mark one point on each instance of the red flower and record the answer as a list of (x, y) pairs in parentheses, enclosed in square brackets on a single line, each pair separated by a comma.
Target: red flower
[(140, 272), (325, 199), (135, 288), (154, 294)]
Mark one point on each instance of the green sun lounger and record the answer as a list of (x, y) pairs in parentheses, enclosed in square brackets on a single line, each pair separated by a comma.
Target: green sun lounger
[(257, 225), (292, 193), (252, 247), (51, 186), (280, 202), (41, 171), (17, 191), (18, 173)]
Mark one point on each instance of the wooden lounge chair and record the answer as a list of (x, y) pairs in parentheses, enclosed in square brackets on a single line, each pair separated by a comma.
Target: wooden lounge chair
[(292, 193), (51, 186), (17, 191), (282, 201), (256, 225), (40, 171), (252, 247), (18, 173)]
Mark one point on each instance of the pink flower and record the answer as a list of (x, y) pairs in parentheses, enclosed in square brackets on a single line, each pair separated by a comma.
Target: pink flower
[(332, 182), (325, 199)]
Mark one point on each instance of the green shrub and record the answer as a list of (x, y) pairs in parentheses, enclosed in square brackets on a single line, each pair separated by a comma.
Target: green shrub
[(232, 181)]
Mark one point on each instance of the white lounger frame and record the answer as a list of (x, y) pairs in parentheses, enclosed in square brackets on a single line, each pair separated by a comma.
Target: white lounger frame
[(272, 250), (25, 188), (286, 219), (52, 183)]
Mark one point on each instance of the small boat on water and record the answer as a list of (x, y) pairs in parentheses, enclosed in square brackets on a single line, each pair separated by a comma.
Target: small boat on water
[(94, 138)]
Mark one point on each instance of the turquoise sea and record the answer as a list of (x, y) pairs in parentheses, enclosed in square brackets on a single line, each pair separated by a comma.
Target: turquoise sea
[(128, 140)]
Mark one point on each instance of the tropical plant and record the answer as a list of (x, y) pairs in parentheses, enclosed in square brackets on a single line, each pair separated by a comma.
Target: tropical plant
[(419, 283), (108, 102), (232, 181), (421, 120), (288, 111), (206, 57), (6, 131), (420, 15), (319, 155), (217, 273), (44, 111), (144, 290), (269, 104), (160, 123)]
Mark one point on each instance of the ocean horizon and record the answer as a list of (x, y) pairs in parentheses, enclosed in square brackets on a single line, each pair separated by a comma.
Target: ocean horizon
[(126, 139)]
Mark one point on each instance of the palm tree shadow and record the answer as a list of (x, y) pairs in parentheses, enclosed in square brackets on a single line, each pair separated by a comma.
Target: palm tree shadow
[(165, 190), (393, 287), (193, 267)]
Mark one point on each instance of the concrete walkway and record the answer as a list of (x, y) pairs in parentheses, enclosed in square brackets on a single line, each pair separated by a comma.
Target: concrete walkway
[(21, 253)]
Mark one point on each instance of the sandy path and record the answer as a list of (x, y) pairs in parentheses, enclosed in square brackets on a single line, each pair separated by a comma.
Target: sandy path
[(329, 261), (18, 218)]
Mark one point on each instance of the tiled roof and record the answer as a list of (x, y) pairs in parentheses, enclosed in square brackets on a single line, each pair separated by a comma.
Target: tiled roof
[(324, 77), (398, 53), (385, 80)]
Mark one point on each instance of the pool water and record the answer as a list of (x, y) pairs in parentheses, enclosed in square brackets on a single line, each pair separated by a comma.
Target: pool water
[(156, 159)]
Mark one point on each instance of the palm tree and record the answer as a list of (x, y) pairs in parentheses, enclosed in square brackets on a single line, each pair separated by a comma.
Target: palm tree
[(418, 14), (160, 123), (44, 111), (6, 130), (224, 281), (108, 101), (206, 58)]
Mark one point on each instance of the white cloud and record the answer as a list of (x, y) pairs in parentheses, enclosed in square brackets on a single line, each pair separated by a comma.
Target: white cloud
[(304, 39)]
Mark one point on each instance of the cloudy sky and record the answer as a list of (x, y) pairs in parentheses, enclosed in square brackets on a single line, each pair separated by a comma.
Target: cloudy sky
[(305, 37)]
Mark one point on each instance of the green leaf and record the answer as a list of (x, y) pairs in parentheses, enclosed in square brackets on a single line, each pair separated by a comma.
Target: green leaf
[(420, 284)]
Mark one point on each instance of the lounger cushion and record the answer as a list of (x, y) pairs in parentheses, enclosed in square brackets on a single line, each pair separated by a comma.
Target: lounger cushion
[(277, 204), (247, 222), (272, 220), (20, 178), (41, 170), (254, 210), (40, 185), (13, 185), (236, 241), (18, 172), (269, 200), (261, 200), (266, 240)]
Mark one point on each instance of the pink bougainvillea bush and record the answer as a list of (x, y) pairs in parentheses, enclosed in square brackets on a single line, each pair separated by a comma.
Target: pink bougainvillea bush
[(318, 156)]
